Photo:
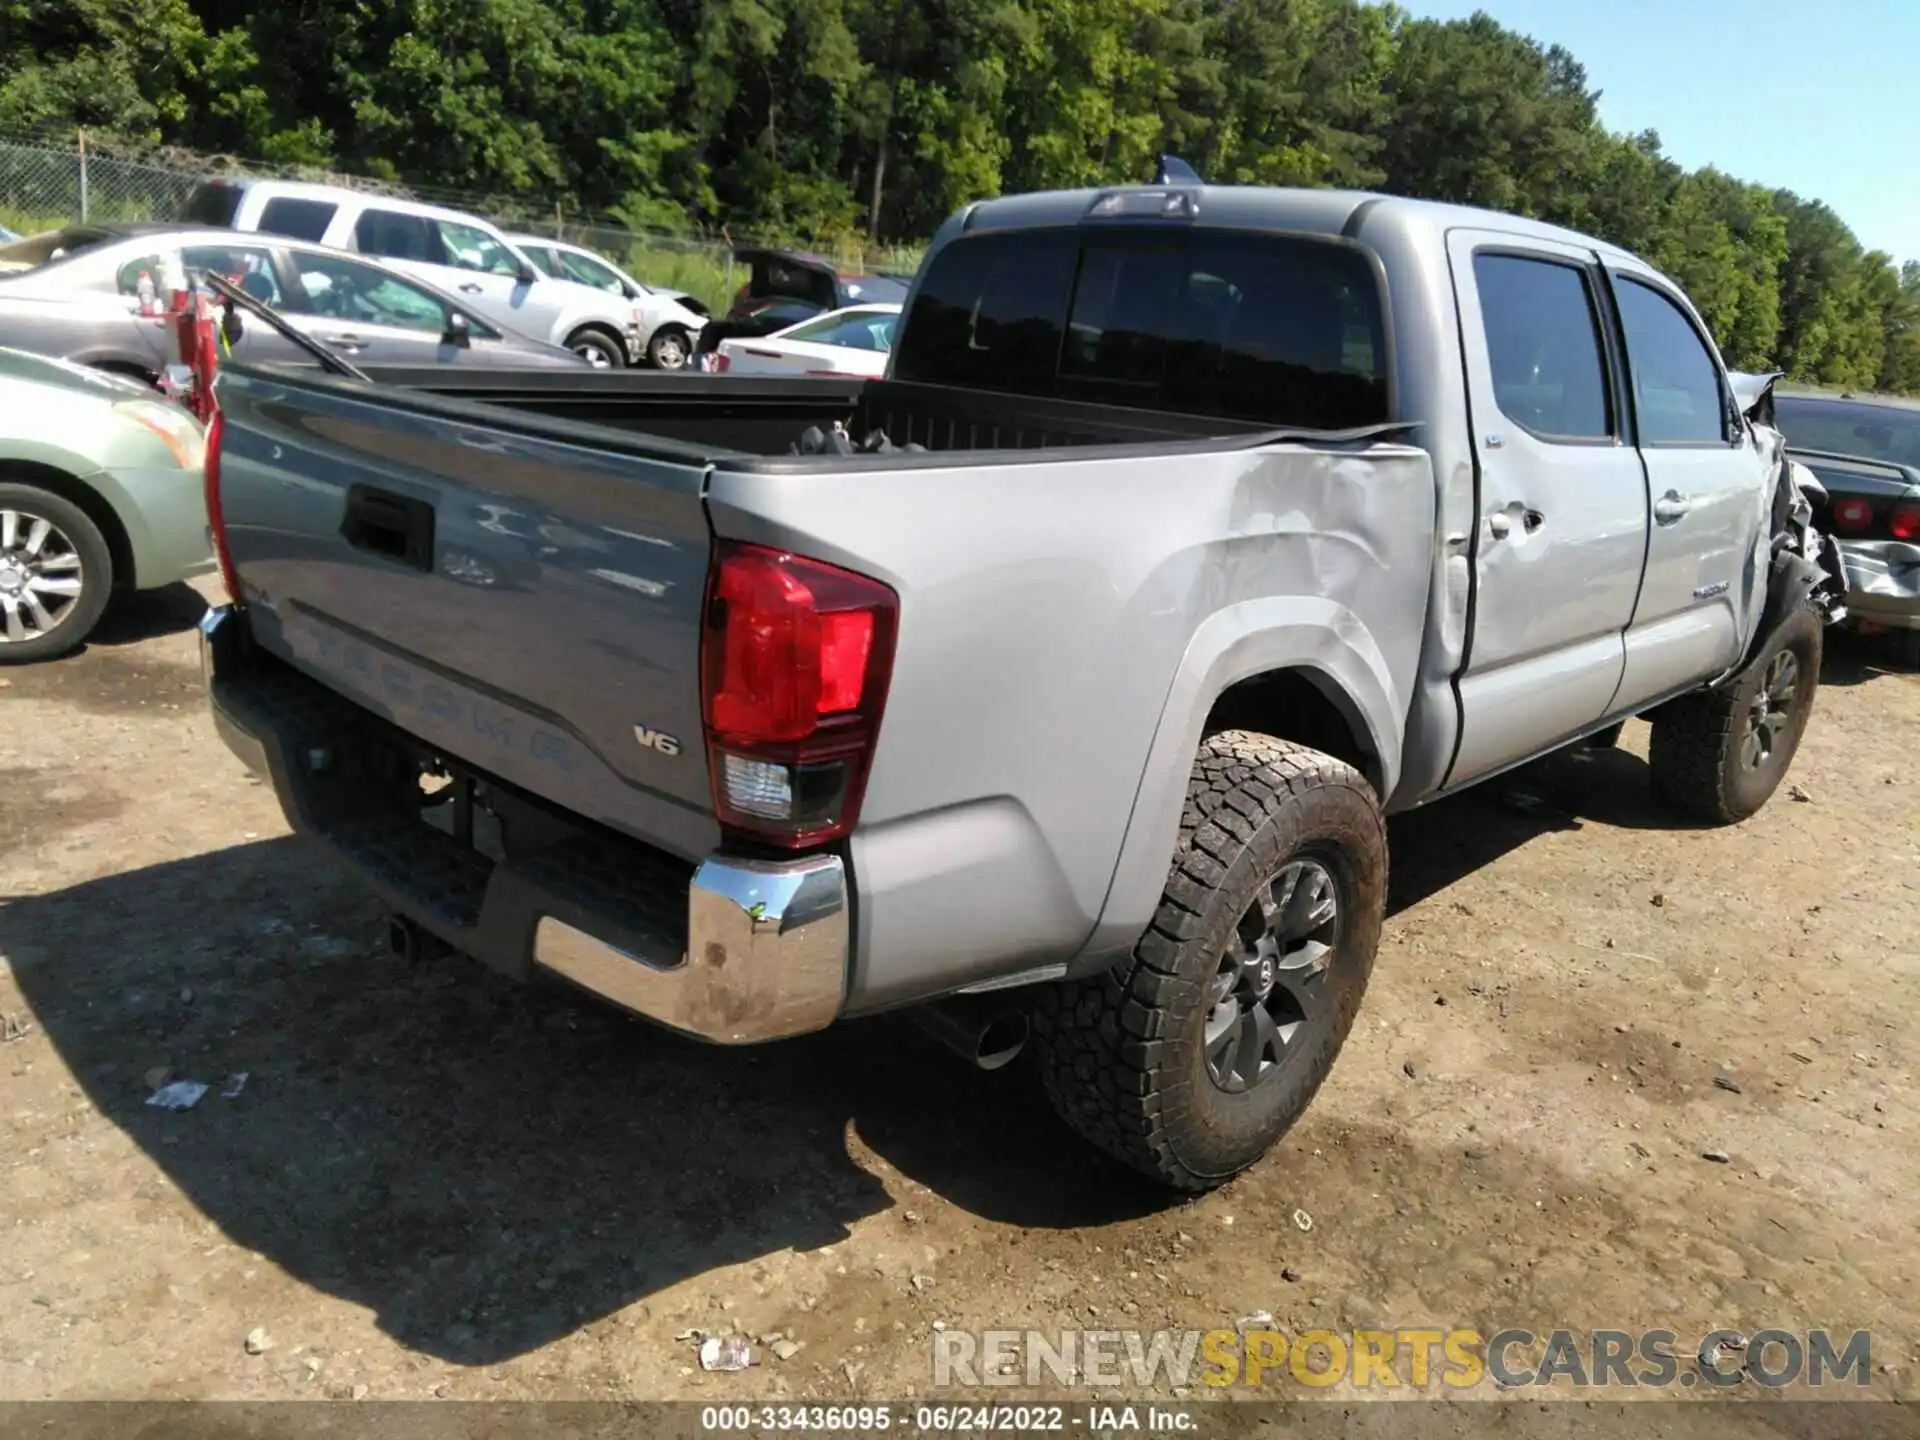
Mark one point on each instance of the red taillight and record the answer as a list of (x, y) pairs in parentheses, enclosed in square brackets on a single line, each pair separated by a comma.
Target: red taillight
[(794, 669), (722, 362), (216, 518), (1851, 515), (1905, 522)]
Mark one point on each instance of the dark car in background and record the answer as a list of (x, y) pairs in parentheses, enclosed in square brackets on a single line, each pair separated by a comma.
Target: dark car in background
[(77, 294), (785, 287), (1866, 452)]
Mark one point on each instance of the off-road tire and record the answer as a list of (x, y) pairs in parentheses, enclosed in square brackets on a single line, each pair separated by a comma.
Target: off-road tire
[(1122, 1053), (96, 573), (1699, 755)]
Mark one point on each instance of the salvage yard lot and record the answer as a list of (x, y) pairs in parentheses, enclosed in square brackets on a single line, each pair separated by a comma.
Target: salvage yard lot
[(432, 1183)]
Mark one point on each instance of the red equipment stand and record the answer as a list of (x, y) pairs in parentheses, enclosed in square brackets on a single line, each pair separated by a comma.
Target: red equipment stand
[(193, 352)]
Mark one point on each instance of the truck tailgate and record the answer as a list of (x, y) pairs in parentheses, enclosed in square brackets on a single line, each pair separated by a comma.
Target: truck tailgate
[(525, 605)]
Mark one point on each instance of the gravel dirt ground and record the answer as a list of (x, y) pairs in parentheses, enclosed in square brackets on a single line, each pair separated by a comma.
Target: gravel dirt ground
[(434, 1184)]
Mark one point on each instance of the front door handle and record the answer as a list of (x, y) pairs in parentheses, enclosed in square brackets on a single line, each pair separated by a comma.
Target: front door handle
[(470, 288), (345, 342), (1671, 508)]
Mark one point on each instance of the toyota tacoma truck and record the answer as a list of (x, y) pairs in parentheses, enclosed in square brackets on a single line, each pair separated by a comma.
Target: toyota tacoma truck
[(1056, 685)]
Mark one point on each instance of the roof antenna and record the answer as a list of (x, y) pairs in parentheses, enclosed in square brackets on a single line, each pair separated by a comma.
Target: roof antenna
[(1175, 171)]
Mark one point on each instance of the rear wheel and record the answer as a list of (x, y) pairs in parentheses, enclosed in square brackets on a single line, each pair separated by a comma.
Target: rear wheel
[(55, 574), (1720, 756), (670, 348), (598, 349), (1192, 1059)]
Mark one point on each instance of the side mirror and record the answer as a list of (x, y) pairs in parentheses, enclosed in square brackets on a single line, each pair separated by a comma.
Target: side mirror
[(231, 328), (527, 272), (459, 330)]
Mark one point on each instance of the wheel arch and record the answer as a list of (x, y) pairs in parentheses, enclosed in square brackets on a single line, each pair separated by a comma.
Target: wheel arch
[(1296, 668), (90, 501)]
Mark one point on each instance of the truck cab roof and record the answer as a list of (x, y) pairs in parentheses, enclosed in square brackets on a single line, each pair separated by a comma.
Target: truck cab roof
[(1316, 212)]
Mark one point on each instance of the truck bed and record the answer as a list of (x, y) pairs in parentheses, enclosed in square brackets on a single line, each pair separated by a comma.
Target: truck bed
[(734, 418)]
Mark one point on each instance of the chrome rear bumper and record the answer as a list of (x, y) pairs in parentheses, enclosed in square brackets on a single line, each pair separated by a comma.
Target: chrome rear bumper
[(736, 952), (766, 954)]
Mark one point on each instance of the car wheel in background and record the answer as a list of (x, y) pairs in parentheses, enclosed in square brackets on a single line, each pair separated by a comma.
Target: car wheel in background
[(599, 349), (55, 574), (670, 348)]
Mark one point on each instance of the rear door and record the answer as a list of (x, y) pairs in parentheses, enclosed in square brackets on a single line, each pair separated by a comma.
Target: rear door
[(1562, 519), (480, 268), (1706, 563), (252, 268), (367, 312)]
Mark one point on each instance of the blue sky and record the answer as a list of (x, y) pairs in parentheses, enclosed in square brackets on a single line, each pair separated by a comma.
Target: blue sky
[(1821, 98)]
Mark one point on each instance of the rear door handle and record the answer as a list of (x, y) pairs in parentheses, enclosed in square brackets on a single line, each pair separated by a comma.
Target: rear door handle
[(345, 342), (1671, 508)]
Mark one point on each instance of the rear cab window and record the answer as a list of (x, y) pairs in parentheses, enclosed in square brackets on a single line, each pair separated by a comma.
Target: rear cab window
[(298, 219), (1244, 325)]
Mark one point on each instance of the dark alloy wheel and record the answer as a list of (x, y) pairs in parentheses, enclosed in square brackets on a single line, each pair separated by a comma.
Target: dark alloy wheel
[(1270, 989)]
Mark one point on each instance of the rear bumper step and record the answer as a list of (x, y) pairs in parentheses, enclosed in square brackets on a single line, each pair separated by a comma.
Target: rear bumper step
[(733, 950)]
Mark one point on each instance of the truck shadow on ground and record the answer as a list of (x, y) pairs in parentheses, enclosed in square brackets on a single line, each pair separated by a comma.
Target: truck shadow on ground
[(1850, 658), (1450, 839), (487, 1167)]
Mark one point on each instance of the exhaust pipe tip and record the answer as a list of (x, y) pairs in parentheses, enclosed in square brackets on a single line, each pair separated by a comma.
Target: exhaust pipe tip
[(402, 939), (986, 1033), (410, 942), (1001, 1042)]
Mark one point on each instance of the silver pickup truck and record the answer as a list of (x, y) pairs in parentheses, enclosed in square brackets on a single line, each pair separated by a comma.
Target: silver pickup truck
[(1057, 684)]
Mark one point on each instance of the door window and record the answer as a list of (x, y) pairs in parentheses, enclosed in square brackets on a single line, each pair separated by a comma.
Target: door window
[(544, 259), (1677, 394), (353, 293), (395, 235), (466, 247), (153, 266), (586, 270), (1543, 342), (298, 219), (251, 269)]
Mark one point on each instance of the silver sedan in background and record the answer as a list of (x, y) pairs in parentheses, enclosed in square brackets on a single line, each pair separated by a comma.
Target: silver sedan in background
[(86, 293)]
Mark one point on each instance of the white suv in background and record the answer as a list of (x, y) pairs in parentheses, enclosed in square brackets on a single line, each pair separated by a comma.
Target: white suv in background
[(460, 253), (669, 319)]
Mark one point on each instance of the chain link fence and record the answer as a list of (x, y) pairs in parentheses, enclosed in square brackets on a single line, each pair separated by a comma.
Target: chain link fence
[(51, 177)]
